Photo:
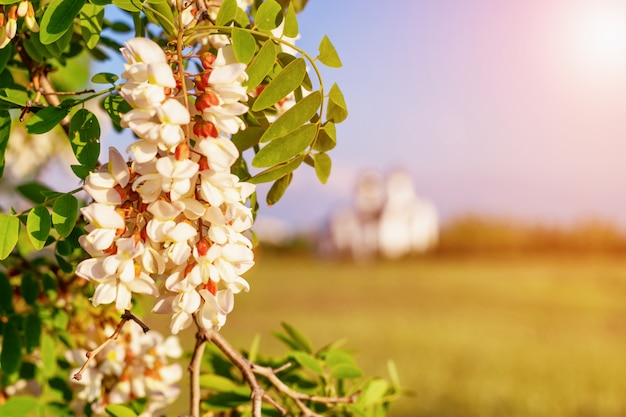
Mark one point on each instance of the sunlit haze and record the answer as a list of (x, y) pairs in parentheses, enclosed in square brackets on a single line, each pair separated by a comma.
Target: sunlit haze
[(514, 109)]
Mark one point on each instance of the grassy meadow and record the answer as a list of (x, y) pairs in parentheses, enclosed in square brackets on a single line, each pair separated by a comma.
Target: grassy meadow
[(471, 336)]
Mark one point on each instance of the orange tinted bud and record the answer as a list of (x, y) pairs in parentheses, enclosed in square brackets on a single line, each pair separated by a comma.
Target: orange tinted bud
[(204, 164), (207, 60), (182, 151), (207, 100), (203, 247), (12, 13), (211, 287), (204, 129)]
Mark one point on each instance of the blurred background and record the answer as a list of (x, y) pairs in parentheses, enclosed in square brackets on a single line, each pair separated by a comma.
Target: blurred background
[(472, 229)]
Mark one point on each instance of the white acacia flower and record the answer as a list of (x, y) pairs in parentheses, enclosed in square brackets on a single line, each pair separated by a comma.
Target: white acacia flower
[(226, 117), (218, 187), (142, 50), (104, 223), (221, 152), (228, 263), (227, 225), (215, 308), (178, 177)]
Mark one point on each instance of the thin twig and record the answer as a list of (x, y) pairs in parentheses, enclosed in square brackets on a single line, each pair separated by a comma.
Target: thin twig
[(194, 371), (92, 353)]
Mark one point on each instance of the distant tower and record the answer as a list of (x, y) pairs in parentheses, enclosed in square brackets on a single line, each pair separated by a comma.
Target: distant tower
[(408, 224)]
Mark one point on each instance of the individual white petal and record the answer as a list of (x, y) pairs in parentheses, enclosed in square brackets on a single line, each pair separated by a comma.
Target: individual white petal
[(124, 297), (103, 216), (143, 50), (118, 168), (105, 293), (180, 321), (174, 112)]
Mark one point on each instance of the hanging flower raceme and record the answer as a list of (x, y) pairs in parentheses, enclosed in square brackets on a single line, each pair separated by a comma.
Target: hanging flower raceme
[(136, 366), (170, 223)]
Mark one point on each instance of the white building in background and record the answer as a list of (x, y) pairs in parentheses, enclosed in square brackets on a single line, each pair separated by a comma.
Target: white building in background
[(387, 218)]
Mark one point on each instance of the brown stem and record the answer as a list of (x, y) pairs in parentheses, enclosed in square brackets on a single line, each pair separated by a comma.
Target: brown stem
[(194, 372), (92, 354)]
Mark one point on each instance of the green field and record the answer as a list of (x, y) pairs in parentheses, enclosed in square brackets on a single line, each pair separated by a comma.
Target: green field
[(532, 336)]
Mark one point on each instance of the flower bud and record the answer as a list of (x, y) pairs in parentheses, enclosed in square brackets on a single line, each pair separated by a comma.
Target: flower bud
[(203, 247), (182, 151), (207, 100), (204, 129), (207, 60)]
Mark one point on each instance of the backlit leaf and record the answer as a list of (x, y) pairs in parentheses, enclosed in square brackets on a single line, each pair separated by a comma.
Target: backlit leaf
[(337, 109), (261, 65), (308, 361), (246, 139), (299, 114), (84, 135), (46, 119), (115, 105), (6, 54), (328, 54), (6, 293), (10, 227), (276, 172), (290, 29), (38, 225), (91, 19), (323, 165), (268, 15), (244, 45), (217, 383), (33, 191), (64, 214), (346, 371), (58, 18), (227, 12), (303, 342), (282, 149), (327, 139), (284, 83), (119, 410), (104, 78), (48, 355), (277, 190)]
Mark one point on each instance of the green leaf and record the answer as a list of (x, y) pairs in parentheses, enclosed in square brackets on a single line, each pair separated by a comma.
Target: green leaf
[(160, 13), (91, 19), (6, 293), (128, 5), (6, 54), (58, 19), (46, 119), (20, 405), (297, 336), (300, 113), (290, 29), (282, 149), (119, 410), (85, 137), (373, 392), (64, 214), (346, 371), (244, 45), (5, 133), (32, 332), (246, 139), (277, 190), (115, 105), (38, 225), (8, 1), (337, 109), (104, 78), (261, 65), (48, 355), (276, 172), (10, 227), (327, 138), (14, 97), (227, 13), (268, 16), (393, 373), (33, 191), (11, 356), (308, 361), (217, 383), (29, 287), (323, 165), (328, 54), (284, 83)]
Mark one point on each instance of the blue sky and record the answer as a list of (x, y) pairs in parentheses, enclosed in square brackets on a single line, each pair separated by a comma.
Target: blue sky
[(513, 109)]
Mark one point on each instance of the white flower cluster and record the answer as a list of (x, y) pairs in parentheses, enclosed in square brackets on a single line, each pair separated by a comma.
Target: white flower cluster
[(8, 21), (135, 366), (171, 225)]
